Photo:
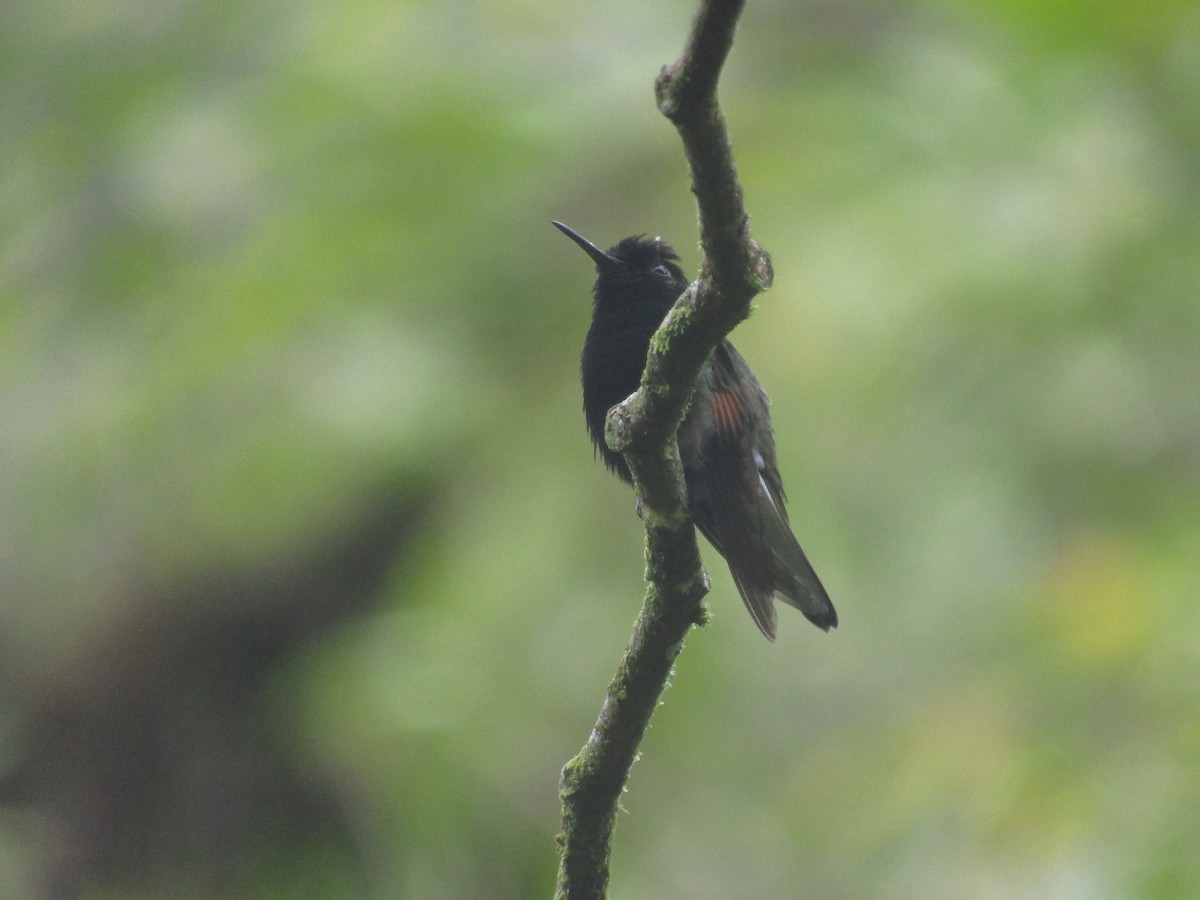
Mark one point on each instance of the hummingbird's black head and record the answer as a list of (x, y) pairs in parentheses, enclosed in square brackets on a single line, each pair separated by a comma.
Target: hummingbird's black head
[(639, 276)]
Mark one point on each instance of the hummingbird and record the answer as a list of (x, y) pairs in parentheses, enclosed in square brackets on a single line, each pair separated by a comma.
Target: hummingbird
[(726, 443)]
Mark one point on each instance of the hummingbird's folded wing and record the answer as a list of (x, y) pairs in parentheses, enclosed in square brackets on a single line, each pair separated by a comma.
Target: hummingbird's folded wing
[(737, 498)]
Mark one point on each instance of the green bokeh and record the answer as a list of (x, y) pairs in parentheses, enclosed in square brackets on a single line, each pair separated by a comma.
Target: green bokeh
[(257, 261)]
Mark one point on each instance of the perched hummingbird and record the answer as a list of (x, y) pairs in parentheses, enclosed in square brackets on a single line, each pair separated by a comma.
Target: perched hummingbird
[(725, 441)]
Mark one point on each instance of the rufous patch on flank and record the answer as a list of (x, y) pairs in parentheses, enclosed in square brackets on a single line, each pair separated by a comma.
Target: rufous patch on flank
[(728, 411)]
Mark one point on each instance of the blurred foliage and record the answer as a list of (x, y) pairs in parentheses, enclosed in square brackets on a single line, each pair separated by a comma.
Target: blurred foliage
[(262, 265)]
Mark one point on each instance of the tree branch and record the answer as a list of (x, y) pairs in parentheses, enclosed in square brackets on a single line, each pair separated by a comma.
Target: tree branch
[(643, 427)]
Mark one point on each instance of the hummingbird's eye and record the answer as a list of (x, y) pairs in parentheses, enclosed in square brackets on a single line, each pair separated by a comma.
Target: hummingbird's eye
[(662, 270)]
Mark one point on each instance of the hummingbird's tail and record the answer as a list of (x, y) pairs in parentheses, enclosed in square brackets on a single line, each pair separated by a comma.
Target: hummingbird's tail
[(793, 578), (764, 558)]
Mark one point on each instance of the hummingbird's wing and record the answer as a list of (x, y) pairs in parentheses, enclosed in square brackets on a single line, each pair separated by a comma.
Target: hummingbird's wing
[(736, 494)]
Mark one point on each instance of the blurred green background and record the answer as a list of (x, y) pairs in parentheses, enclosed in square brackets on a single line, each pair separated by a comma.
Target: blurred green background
[(309, 583)]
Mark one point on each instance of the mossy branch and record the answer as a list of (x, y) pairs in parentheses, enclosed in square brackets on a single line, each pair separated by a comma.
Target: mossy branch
[(643, 428)]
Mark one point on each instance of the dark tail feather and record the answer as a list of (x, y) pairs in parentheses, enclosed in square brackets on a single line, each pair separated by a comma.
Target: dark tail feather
[(760, 604), (751, 531), (793, 578), (730, 526)]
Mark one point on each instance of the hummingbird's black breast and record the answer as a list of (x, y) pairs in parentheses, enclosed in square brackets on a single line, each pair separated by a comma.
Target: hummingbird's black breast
[(614, 355)]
